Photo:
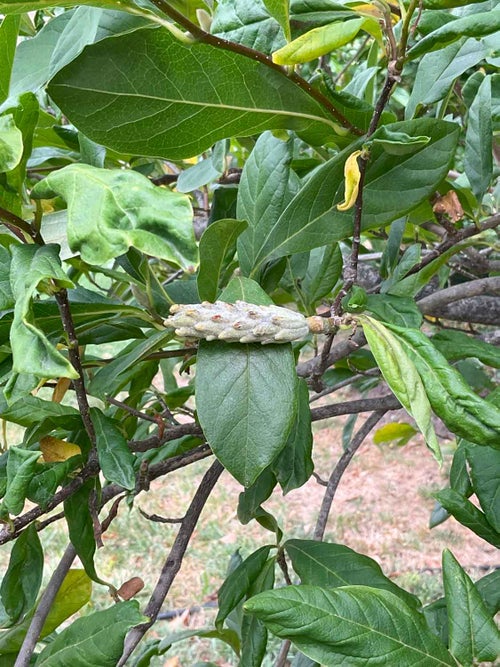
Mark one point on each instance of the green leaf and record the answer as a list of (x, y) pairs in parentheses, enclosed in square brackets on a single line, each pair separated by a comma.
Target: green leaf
[(465, 413), (35, 268), (398, 310), (251, 499), (115, 458), (73, 594), (312, 219), (280, 11), (399, 143), (294, 464), (400, 433), (246, 401), (9, 28), (61, 40), (489, 590), (323, 271), (484, 464), (47, 478), (23, 6), (114, 79), (81, 527), (11, 143), (478, 158), (111, 210), (320, 41), (354, 624), (250, 24), (475, 25), (239, 582), (21, 465), (390, 255), (205, 171), (402, 377), (458, 345), (253, 631), (25, 115), (263, 194), (6, 298), (32, 410), (93, 640), (473, 635), (21, 582), (468, 515), (217, 247), (332, 565), (437, 71)]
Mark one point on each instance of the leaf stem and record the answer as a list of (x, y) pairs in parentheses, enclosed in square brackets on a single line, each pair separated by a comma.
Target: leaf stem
[(221, 43)]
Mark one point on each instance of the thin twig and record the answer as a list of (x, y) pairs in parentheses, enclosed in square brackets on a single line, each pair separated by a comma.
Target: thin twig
[(159, 519), (131, 411), (174, 560), (281, 660), (339, 470), (43, 608)]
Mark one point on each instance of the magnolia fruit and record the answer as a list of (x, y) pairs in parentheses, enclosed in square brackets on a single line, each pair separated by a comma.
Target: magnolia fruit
[(242, 322)]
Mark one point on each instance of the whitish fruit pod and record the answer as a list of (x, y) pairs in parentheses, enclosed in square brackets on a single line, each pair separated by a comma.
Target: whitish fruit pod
[(238, 322)]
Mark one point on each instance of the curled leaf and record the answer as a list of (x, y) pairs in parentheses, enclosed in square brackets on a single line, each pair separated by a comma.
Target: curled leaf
[(352, 176), (54, 449)]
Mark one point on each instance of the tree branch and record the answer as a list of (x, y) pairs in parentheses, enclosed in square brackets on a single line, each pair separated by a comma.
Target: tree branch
[(220, 43), (339, 470), (477, 310), (43, 608), (174, 560), (436, 300), (20, 227), (385, 403)]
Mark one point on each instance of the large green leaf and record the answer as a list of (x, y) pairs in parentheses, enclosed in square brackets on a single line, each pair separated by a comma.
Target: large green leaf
[(21, 465), (294, 464), (437, 71), (21, 582), (478, 159), (8, 39), (33, 410), (247, 23), (246, 396), (61, 40), (111, 92), (484, 464), (239, 582), (93, 640), (323, 271), (35, 269), (111, 210), (476, 25), (246, 401), (280, 10), (402, 377), (468, 515), (455, 345), (332, 565), (11, 143), (217, 246), (393, 186), (463, 411), (353, 625), (263, 194), (473, 635), (115, 458)]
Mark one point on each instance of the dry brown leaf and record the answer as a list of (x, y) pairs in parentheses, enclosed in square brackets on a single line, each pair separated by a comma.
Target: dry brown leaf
[(130, 588), (450, 205)]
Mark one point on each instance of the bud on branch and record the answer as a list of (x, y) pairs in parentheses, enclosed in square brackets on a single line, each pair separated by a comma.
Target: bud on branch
[(243, 322)]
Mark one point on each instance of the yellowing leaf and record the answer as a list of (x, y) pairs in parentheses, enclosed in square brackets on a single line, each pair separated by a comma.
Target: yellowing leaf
[(74, 593), (399, 433), (55, 450), (320, 41), (62, 386), (352, 176)]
